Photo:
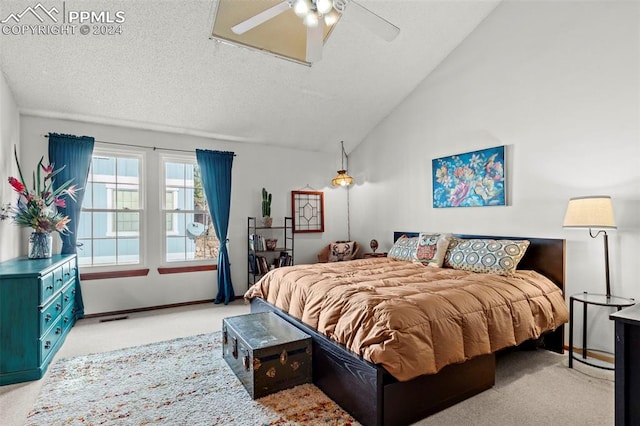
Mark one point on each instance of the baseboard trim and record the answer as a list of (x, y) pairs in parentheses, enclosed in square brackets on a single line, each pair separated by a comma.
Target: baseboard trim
[(591, 354), (151, 308)]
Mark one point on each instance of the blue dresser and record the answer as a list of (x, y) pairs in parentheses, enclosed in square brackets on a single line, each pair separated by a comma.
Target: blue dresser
[(37, 310)]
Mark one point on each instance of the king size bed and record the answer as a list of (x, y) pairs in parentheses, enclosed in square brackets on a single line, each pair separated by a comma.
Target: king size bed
[(395, 341)]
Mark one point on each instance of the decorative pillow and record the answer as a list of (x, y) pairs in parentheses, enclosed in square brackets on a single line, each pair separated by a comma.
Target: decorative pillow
[(499, 257), (404, 248), (432, 248), (340, 250)]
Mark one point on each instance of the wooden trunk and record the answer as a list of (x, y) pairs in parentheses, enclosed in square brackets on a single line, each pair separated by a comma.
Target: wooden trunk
[(266, 353)]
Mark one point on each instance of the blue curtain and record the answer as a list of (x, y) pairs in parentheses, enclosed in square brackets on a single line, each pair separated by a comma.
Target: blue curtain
[(74, 153), (215, 170)]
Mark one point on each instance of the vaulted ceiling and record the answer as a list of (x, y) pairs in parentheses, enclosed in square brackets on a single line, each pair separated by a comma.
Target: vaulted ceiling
[(165, 72)]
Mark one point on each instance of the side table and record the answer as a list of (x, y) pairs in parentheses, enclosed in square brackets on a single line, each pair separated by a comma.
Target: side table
[(592, 299)]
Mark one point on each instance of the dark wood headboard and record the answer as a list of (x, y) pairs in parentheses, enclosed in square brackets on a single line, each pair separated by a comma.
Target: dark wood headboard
[(544, 255)]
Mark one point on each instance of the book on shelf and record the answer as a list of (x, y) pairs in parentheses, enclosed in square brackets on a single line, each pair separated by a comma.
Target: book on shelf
[(257, 243), (253, 267)]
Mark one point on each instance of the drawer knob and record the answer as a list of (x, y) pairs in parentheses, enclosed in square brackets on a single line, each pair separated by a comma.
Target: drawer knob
[(47, 318), (58, 306), (47, 344), (49, 287), (58, 330)]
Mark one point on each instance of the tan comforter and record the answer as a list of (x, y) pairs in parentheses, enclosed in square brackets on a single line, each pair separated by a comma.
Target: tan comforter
[(412, 319)]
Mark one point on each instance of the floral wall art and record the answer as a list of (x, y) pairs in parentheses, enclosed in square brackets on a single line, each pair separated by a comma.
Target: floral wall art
[(472, 179)]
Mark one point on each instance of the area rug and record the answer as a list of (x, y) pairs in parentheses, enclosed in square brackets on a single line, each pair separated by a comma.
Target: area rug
[(178, 382)]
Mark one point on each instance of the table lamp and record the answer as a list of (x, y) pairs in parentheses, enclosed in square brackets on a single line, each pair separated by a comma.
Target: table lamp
[(594, 211)]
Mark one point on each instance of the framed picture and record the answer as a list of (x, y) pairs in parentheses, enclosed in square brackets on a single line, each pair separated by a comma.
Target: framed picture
[(307, 211), (472, 179)]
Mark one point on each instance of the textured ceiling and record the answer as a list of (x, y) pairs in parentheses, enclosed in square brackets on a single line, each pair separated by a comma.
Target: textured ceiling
[(165, 72)]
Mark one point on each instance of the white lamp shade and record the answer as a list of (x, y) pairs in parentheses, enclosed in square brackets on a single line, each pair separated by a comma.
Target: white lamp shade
[(594, 211)]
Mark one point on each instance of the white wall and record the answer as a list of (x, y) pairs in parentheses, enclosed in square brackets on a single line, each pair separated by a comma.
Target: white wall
[(279, 170), (558, 83), (9, 136)]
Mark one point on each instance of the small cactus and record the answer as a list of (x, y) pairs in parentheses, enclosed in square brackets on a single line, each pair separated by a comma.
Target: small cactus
[(266, 203)]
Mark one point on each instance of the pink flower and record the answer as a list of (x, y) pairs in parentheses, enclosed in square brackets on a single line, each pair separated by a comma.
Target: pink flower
[(48, 169), (16, 184), (59, 202), (71, 192), (459, 193), (62, 224)]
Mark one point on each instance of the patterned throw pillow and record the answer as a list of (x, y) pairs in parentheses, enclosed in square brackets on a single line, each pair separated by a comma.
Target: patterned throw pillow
[(340, 250), (404, 248), (432, 248), (499, 257)]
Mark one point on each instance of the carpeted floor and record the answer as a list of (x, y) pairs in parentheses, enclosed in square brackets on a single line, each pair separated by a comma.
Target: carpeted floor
[(532, 388), (182, 381)]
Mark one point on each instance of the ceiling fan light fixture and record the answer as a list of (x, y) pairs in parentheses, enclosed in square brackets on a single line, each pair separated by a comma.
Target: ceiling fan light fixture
[(301, 8), (311, 20), (331, 18), (324, 6)]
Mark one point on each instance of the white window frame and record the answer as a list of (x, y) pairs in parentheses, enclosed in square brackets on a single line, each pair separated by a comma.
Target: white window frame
[(176, 158), (101, 151)]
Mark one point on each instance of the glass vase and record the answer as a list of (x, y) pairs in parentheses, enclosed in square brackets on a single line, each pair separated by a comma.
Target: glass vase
[(40, 245)]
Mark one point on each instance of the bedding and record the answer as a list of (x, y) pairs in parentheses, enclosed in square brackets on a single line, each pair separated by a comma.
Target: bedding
[(411, 319)]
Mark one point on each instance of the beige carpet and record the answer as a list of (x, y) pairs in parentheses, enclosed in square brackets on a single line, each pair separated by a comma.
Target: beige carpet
[(532, 388)]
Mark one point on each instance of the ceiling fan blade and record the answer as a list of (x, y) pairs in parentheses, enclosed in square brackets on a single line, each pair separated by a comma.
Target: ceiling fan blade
[(376, 24), (260, 18), (314, 43)]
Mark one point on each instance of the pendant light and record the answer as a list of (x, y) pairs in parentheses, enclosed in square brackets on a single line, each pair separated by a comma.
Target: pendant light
[(342, 178)]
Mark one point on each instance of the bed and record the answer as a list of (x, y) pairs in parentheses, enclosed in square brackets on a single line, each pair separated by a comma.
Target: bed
[(377, 393)]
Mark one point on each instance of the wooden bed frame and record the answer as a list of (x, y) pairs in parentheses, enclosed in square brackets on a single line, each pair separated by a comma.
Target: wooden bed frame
[(374, 397)]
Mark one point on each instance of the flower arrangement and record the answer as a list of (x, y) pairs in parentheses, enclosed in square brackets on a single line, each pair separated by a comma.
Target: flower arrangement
[(37, 207)]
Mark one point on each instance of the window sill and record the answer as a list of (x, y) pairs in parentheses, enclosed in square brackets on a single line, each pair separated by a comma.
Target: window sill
[(182, 269), (86, 276)]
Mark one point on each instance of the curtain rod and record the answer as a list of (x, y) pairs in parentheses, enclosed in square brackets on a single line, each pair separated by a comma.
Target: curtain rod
[(155, 148)]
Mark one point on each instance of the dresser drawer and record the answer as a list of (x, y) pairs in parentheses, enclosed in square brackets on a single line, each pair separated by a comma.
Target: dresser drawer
[(69, 271), (49, 314), (46, 287), (58, 279), (49, 341), (68, 295), (67, 318)]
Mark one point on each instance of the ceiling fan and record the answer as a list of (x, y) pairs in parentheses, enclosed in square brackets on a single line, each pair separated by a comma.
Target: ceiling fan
[(317, 13)]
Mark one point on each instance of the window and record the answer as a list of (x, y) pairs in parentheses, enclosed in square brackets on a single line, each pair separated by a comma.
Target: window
[(109, 227), (189, 233)]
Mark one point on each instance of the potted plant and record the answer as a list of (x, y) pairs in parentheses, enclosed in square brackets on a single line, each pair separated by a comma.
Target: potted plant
[(36, 208), (266, 209)]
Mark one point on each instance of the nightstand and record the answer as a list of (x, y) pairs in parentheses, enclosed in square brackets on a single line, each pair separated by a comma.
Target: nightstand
[(627, 376), (598, 300), (371, 255)]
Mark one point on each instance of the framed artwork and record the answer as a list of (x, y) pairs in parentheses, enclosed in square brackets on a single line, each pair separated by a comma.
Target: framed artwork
[(472, 179), (307, 211)]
